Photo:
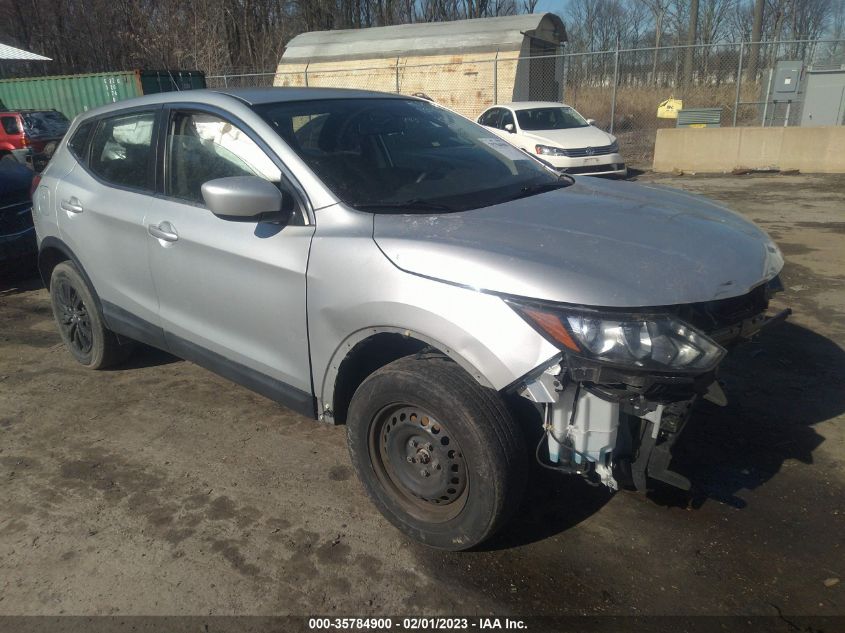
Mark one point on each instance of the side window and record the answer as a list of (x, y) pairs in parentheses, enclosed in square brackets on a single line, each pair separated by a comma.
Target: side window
[(507, 117), (202, 147), (10, 125), (121, 149), (491, 117), (79, 140)]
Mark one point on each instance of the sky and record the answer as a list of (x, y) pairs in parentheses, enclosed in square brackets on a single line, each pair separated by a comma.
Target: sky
[(552, 6)]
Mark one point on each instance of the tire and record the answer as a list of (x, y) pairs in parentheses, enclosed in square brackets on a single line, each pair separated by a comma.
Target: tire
[(427, 409), (79, 321)]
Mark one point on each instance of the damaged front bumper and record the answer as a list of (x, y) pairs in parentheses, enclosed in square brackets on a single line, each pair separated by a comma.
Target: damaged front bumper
[(617, 426), (613, 434)]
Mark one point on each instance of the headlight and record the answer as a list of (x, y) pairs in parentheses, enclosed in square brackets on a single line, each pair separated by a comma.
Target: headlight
[(614, 147), (652, 342), (545, 150)]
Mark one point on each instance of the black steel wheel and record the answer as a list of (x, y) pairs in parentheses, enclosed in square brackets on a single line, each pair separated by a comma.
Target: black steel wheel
[(416, 455), (80, 323), (439, 455)]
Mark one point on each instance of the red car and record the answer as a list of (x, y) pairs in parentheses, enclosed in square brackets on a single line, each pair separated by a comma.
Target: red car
[(26, 133)]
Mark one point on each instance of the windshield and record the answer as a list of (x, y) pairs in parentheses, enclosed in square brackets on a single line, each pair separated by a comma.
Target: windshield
[(49, 123), (396, 155), (552, 118)]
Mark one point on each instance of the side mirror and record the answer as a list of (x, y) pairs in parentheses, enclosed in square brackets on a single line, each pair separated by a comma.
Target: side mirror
[(510, 128), (591, 121), (247, 198)]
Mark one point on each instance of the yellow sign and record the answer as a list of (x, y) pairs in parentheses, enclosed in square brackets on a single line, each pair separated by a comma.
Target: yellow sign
[(669, 109)]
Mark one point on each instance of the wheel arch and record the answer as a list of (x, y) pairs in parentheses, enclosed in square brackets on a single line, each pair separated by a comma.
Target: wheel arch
[(52, 252), (367, 351)]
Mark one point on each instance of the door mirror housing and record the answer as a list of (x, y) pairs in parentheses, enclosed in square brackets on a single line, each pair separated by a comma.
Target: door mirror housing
[(247, 198), (510, 128), (591, 121)]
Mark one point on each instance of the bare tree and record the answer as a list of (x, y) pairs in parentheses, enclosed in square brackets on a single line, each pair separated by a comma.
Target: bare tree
[(713, 20), (756, 36), (837, 27), (659, 9), (220, 36), (692, 34), (807, 21)]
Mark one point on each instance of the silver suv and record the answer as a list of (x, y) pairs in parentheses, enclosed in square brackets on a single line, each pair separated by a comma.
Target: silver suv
[(379, 261)]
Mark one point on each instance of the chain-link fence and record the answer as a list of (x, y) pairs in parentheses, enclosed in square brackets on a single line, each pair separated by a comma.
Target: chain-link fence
[(621, 89)]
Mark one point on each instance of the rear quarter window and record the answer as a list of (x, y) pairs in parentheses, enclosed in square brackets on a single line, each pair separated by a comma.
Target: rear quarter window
[(79, 141), (121, 150)]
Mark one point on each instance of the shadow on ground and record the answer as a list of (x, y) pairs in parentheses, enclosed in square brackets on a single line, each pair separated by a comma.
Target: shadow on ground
[(20, 275), (777, 388), (145, 356), (634, 173)]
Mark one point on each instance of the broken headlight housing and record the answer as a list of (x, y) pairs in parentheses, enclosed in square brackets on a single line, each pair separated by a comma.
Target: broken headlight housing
[(653, 342)]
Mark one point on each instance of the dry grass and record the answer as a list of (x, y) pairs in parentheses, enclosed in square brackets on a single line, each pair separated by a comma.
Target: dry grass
[(635, 120)]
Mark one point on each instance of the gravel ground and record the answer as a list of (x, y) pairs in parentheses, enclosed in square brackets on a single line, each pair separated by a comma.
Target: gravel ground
[(159, 488)]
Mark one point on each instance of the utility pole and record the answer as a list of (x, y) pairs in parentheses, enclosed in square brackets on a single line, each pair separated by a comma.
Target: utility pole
[(756, 35), (691, 37)]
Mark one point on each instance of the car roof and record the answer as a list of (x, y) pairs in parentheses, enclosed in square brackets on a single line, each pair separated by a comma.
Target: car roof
[(29, 111), (249, 96)]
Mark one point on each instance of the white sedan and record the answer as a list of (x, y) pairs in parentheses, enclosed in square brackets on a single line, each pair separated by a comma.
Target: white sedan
[(559, 135)]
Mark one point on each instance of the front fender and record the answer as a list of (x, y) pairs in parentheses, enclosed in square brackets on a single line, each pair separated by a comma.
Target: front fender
[(354, 291)]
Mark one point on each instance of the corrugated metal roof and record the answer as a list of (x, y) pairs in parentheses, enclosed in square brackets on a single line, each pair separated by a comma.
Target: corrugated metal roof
[(10, 52), (259, 96), (505, 33)]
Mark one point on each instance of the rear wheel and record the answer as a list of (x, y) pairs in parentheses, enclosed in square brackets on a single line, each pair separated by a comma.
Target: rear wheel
[(439, 455), (80, 324)]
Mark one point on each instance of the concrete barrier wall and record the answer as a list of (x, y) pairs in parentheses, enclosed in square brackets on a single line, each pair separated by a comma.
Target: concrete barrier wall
[(811, 150)]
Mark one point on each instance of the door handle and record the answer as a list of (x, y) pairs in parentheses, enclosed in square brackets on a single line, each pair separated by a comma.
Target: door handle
[(73, 205), (163, 231)]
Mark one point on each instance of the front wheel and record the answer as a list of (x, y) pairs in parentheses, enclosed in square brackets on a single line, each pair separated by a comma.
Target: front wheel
[(439, 455)]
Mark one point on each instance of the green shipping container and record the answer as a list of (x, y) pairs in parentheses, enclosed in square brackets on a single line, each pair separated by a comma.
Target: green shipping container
[(72, 94)]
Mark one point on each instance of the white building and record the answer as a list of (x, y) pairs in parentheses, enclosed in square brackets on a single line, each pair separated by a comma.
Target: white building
[(466, 65)]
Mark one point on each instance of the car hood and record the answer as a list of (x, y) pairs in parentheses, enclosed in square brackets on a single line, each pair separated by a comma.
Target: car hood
[(598, 243), (572, 138)]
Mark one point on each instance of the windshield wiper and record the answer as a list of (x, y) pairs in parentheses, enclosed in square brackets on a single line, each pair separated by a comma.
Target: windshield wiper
[(532, 190), (416, 204)]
